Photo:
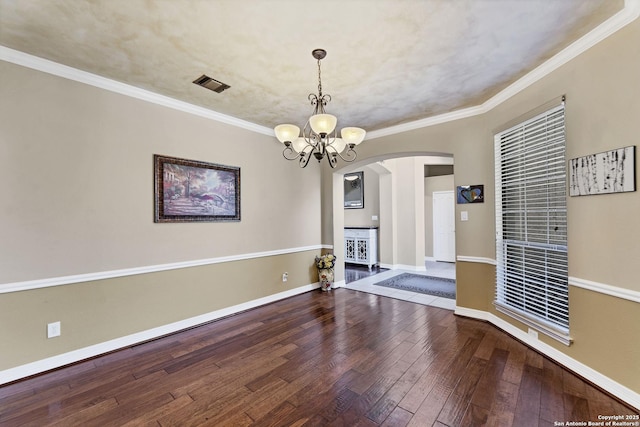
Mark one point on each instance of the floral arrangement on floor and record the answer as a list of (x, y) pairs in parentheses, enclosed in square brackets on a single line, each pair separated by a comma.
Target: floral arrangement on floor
[(325, 264)]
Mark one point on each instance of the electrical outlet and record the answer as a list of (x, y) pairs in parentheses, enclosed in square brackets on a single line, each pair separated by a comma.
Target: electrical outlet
[(533, 333), (285, 277), (374, 217), (53, 330)]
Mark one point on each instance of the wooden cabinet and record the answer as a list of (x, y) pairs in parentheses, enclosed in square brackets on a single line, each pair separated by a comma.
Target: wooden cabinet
[(361, 246)]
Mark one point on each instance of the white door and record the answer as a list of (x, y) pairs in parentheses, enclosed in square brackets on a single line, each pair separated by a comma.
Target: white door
[(444, 226)]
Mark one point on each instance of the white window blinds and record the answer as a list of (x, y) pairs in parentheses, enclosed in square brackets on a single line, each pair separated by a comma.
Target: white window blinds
[(531, 223)]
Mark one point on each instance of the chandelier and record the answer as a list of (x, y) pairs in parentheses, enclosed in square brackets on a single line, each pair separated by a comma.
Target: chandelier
[(319, 132)]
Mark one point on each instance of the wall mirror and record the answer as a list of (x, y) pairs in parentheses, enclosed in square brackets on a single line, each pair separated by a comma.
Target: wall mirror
[(354, 190)]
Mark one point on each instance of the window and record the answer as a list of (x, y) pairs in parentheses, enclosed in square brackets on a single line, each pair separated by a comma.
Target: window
[(531, 223)]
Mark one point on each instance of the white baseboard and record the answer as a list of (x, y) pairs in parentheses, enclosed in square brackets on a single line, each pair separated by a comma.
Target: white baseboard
[(473, 313), (339, 284), (74, 356), (624, 393), (430, 259)]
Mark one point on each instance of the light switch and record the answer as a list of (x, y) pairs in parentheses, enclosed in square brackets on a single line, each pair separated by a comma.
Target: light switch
[(374, 217), (464, 216)]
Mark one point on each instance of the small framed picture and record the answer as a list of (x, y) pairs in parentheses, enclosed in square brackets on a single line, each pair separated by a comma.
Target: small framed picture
[(354, 190), (470, 194)]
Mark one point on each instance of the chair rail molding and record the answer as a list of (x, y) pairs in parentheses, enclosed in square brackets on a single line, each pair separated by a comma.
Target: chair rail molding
[(78, 278), (481, 260), (602, 288)]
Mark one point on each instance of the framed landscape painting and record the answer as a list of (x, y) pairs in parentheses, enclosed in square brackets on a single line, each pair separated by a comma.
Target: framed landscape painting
[(194, 191)]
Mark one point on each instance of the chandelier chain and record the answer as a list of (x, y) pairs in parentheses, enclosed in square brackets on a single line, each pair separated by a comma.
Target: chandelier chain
[(319, 80)]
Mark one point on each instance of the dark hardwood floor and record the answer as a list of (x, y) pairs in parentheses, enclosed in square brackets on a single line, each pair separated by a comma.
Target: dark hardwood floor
[(353, 272), (341, 358)]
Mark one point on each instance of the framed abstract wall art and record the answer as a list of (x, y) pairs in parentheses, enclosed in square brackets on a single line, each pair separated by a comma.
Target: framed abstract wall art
[(602, 173), (194, 191), (470, 194)]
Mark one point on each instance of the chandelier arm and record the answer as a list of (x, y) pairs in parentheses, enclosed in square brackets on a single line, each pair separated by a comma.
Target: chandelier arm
[(290, 154), (288, 151), (304, 158), (332, 159), (318, 102), (310, 137), (350, 153), (326, 98)]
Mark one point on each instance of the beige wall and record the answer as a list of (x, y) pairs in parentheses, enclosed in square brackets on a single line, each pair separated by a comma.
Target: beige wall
[(603, 105), (98, 311), (76, 163), (77, 166), (362, 217), (407, 218)]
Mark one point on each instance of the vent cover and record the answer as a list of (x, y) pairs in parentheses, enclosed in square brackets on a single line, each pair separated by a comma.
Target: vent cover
[(211, 84)]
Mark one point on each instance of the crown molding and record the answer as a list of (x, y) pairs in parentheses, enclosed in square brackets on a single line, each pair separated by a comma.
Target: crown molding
[(429, 121), (46, 66), (628, 14)]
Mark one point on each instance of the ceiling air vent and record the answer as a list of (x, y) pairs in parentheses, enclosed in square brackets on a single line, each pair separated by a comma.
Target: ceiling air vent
[(211, 84)]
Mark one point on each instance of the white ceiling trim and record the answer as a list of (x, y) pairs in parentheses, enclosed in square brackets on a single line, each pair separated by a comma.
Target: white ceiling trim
[(627, 15), (34, 62), (630, 12)]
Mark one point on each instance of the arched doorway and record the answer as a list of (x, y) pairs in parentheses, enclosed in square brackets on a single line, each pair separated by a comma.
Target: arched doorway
[(403, 234)]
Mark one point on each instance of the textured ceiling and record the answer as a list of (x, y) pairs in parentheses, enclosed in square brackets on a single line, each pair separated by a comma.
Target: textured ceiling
[(389, 61)]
